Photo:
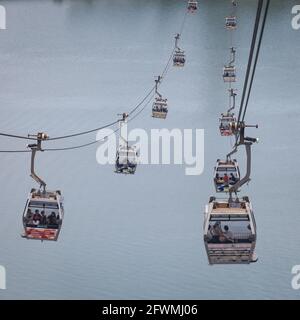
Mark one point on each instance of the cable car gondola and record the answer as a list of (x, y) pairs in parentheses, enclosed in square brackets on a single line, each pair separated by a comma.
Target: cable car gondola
[(192, 6), (230, 231), (160, 105), (126, 161), (179, 58), (179, 55), (227, 122), (230, 23), (229, 74), (43, 214), (160, 108), (126, 156), (226, 174)]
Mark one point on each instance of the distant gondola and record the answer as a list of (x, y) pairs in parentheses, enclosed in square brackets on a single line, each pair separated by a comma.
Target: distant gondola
[(126, 155), (126, 160), (192, 5), (230, 23), (160, 105), (229, 74), (227, 124), (226, 174), (179, 58)]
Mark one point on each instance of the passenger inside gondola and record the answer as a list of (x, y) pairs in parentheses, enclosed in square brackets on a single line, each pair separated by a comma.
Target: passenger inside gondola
[(233, 178), (227, 236), (223, 180), (29, 217), (230, 230), (36, 220), (216, 231), (226, 179), (42, 219), (52, 220)]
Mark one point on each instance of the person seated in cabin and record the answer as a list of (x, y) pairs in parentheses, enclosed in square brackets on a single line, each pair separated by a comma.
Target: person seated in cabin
[(157, 107), (226, 236), (226, 179), (210, 234), (52, 219), (35, 221), (43, 218), (233, 178), (37, 215), (164, 106), (221, 188), (220, 183), (29, 216), (217, 232), (221, 180)]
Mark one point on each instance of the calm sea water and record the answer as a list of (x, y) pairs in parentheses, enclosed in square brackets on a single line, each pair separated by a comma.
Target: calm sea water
[(74, 65)]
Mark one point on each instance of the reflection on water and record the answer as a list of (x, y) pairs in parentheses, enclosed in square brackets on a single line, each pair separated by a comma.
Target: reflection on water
[(74, 65)]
